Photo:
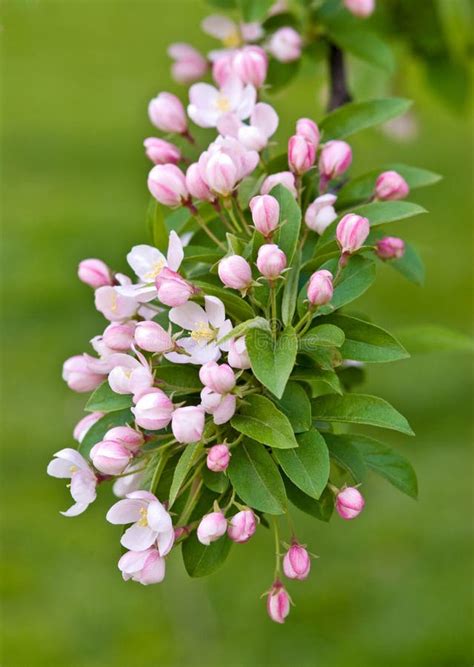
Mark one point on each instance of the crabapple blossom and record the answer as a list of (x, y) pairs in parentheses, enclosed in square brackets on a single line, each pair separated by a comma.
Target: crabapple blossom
[(351, 232), (187, 424), (242, 526), (172, 289), (196, 185), (118, 336), (95, 273), (301, 154), (153, 410), (220, 406), (308, 129), (218, 458), (297, 562), (251, 65), (360, 8), (130, 481), (335, 159), (285, 178), (208, 104), (110, 457), (278, 603), (130, 376), (349, 503), (146, 567), (219, 378), (265, 214), (235, 272), (223, 67), (167, 184), (151, 336), (390, 247), (262, 125), (221, 174), (189, 65), (211, 527), (69, 464), (206, 326), (160, 151), (320, 213), (222, 28), (320, 288), (167, 113), (113, 305), (127, 436), (390, 186), (285, 45), (237, 355), (78, 374), (151, 522), (85, 424), (271, 261)]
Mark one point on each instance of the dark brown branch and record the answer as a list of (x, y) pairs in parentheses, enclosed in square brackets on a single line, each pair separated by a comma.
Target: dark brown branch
[(339, 93)]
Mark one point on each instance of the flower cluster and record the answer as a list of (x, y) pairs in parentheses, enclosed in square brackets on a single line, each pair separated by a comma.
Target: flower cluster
[(225, 366)]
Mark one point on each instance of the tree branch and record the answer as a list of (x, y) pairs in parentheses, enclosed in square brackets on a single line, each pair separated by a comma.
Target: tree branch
[(339, 94)]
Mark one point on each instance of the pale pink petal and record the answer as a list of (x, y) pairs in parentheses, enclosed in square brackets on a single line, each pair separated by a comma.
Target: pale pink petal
[(215, 311), (226, 409), (73, 456), (228, 125), (83, 486), (165, 541), (202, 117), (143, 495), (144, 259), (138, 538), (76, 509), (202, 355), (188, 316), (218, 26), (265, 118), (142, 292), (233, 90), (223, 331), (133, 561), (59, 468), (246, 102), (153, 571), (125, 511), (175, 252), (187, 344), (158, 518), (252, 138), (203, 96)]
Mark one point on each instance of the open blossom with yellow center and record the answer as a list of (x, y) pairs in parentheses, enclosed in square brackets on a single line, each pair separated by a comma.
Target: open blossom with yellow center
[(203, 333), (222, 104), (233, 39)]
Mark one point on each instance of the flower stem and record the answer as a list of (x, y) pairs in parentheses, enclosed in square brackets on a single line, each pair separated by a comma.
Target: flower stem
[(191, 502), (274, 321), (203, 226), (277, 548), (158, 471)]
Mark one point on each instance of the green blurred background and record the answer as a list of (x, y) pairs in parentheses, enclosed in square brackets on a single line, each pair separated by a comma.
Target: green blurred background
[(392, 587)]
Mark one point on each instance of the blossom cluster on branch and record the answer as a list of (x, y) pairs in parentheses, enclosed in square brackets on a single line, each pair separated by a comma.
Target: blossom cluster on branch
[(222, 386)]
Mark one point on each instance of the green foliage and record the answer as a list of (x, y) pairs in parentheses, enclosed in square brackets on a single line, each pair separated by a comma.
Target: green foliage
[(289, 223), (260, 419), (308, 465), (156, 225), (321, 509), (186, 460), (324, 335), (200, 560), (236, 308), (177, 379), (254, 10), (410, 265), (290, 291), (103, 399), (99, 429), (357, 116), (272, 360), (344, 452), (296, 406)]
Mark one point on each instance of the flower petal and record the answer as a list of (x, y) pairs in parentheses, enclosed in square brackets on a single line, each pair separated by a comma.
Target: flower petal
[(83, 486), (138, 538), (143, 259), (215, 311), (188, 315), (265, 118), (125, 511), (218, 26), (76, 509), (158, 518), (175, 251)]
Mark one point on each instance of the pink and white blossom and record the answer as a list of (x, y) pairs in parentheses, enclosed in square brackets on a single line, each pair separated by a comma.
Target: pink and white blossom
[(172, 289), (130, 481), (221, 406), (349, 503), (320, 288), (211, 527), (351, 232), (297, 562), (114, 305), (151, 336), (301, 154), (167, 113), (85, 424), (335, 159), (218, 377), (196, 185), (95, 273), (145, 567), (151, 522), (238, 356), (187, 424), (285, 178), (130, 376), (160, 151), (320, 213), (271, 261), (308, 129), (285, 45), (278, 603), (265, 214), (189, 65), (360, 8), (390, 186), (208, 104), (390, 247), (218, 458), (242, 526), (118, 336), (79, 374), (69, 464), (153, 410), (110, 457), (254, 136), (235, 272), (251, 65), (167, 184)]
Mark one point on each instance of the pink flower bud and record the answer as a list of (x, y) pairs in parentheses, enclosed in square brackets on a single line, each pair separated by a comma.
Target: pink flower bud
[(151, 336), (265, 214), (188, 424), (242, 526), (349, 503), (238, 356), (320, 288), (153, 410), (296, 563), (167, 184), (218, 458), (79, 377), (390, 186), (301, 154), (351, 232), (278, 603), (285, 45), (360, 8), (251, 65), (110, 457), (211, 528), (335, 159), (196, 185), (219, 378), (167, 113), (285, 178), (221, 174), (114, 306), (126, 436), (82, 427), (308, 129), (235, 272), (220, 406), (95, 273), (160, 151), (223, 69), (271, 261), (321, 213), (173, 289), (390, 247), (119, 336), (146, 567), (189, 65)]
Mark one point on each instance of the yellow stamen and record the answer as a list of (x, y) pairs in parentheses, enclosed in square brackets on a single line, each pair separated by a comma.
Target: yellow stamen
[(73, 469), (222, 103), (203, 333), (155, 271), (232, 40), (143, 522)]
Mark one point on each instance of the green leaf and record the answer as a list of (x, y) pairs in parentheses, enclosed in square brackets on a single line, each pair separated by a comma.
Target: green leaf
[(156, 224), (256, 479), (183, 466), (326, 358), (99, 429), (296, 406), (350, 35), (346, 454), (360, 409), (320, 382), (194, 254), (356, 116), (216, 481), (362, 187), (321, 509), (367, 342), (178, 379), (261, 420), (272, 361), (410, 265), (426, 338), (244, 327), (386, 462), (280, 74), (103, 399), (254, 10), (324, 335), (289, 223), (290, 291), (308, 465), (200, 560), (236, 307)]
